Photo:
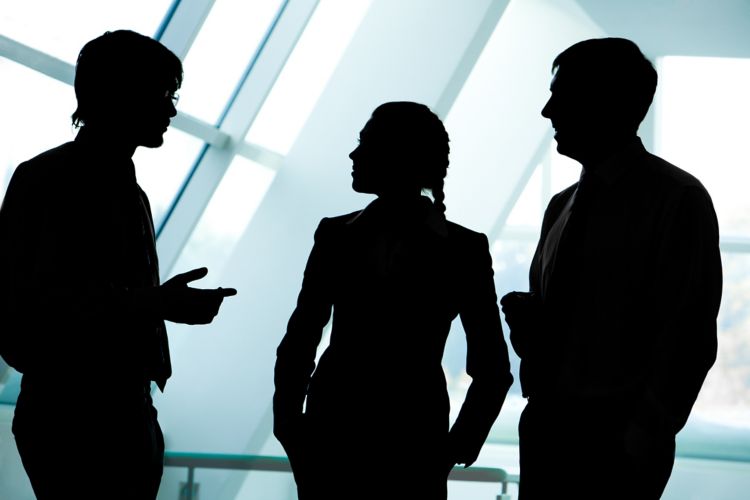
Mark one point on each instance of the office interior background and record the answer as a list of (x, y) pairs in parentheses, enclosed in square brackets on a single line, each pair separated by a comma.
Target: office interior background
[(274, 96)]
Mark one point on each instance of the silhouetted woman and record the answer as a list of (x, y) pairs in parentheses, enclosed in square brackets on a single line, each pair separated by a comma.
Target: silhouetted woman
[(376, 420)]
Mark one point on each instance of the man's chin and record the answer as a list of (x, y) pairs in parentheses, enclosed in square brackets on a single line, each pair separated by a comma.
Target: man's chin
[(565, 149), (153, 142)]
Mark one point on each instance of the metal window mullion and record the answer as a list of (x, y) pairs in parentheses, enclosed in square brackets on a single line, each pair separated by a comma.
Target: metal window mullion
[(238, 117), (535, 160), (37, 60), (182, 25)]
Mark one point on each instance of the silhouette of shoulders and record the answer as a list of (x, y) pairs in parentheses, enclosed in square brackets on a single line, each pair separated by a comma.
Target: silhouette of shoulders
[(437, 222)]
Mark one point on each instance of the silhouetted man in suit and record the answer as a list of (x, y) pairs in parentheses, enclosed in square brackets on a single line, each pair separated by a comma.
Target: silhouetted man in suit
[(618, 330), (82, 308)]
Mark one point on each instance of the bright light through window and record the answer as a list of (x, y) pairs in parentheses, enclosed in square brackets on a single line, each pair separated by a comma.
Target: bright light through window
[(224, 221), (313, 60), (35, 116), (61, 28), (218, 58), (703, 127), (162, 171)]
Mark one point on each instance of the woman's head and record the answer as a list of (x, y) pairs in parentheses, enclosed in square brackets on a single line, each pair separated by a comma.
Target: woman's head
[(403, 149)]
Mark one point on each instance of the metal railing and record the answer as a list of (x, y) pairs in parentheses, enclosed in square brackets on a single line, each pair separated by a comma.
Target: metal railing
[(192, 461)]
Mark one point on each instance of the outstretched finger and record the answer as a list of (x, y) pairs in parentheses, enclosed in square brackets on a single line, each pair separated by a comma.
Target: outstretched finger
[(185, 278), (226, 292)]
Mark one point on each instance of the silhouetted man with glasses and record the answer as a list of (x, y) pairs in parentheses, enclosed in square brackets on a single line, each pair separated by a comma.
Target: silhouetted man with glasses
[(618, 330), (82, 307)]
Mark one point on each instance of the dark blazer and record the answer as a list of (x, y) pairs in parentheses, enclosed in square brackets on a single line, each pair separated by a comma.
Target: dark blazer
[(395, 278), (76, 241), (635, 319)]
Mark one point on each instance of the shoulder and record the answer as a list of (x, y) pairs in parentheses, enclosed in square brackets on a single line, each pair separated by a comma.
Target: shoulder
[(558, 201), (49, 165), (331, 226), (464, 235), (672, 184), (338, 221), (668, 175), (563, 196)]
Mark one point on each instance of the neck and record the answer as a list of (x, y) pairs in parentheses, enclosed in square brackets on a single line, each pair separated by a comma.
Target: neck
[(109, 138), (604, 149), (400, 197)]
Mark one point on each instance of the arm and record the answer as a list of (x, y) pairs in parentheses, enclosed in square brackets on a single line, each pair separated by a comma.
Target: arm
[(295, 356), (17, 242), (524, 311), (687, 293), (486, 360)]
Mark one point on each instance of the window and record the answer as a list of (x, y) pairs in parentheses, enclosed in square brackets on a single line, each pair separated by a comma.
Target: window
[(62, 28), (162, 171), (702, 127), (224, 221), (313, 60), (35, 116), (214, 66)]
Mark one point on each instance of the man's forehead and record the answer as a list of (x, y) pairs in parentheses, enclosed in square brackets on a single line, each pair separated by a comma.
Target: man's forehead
[(574, 80)]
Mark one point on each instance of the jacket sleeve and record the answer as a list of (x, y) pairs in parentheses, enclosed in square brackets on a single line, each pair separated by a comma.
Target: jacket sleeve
[(18, 243), (525, 312), (295, 356), (486, 360), (687, 292)]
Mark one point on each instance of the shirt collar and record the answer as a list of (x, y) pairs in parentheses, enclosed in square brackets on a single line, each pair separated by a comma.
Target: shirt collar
[(420, 210)]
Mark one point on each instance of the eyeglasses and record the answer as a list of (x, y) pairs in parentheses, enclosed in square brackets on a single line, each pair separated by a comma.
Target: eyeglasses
[(172, 96)]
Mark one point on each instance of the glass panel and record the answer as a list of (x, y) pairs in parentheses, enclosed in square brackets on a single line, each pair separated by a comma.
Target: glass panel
[(224, 221), (221, 52), (234, 484), (36, 113), (702, 127), (511, 260), (553, 175), (720, 422), (528, 208), (62, 28), (564, 172), (162, 171), (10, 385), (313, 60)]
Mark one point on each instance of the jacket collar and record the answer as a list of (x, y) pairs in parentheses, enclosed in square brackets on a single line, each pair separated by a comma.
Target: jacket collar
[(391, 212)]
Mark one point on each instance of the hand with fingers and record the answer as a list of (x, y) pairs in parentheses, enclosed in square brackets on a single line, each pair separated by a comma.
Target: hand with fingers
[(180, 303), (523, 313)]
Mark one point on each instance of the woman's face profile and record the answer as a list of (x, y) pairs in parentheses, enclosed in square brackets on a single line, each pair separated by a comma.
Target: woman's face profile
[(368, 160), (380, 162)]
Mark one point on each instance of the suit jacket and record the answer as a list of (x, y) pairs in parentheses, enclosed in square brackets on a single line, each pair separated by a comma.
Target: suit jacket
[(77, 241), (632, 314), (395, 277)]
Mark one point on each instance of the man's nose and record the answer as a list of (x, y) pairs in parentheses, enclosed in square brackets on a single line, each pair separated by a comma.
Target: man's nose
[(546, 110)]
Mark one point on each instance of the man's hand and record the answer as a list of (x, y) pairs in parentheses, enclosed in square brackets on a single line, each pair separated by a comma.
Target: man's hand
[(523, 313), (459, 451), (180, 303)]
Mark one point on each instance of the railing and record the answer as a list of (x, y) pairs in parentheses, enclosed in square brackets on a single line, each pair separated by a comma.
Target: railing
[(193, 461)]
